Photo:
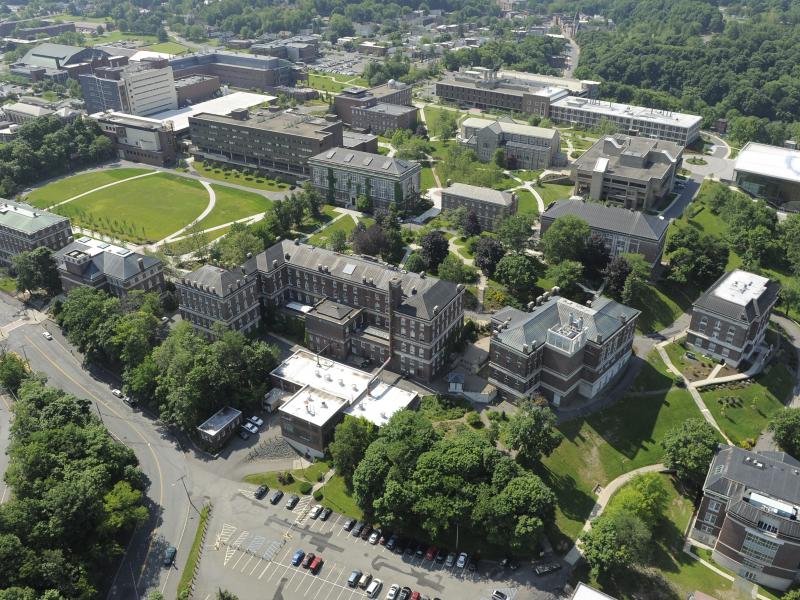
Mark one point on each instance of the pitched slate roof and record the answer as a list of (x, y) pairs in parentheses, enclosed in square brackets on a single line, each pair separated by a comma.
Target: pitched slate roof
[(107, 260), (482, 194), (749, 309), (358, 160), (25, 218), (610, 218), (421, 295), (602, 320), (219, 281)]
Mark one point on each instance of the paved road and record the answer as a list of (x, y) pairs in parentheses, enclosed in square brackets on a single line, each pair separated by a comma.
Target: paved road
[(5, 423)]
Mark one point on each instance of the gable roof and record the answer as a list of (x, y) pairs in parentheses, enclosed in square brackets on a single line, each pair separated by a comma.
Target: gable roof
[(219, 281), (55, 56), (358, 160), (482, 194), (107, 260), (611, 218)]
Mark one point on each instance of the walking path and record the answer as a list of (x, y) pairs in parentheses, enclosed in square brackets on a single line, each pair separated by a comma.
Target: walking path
[(212, 202), (575, 554), (102, 187), (526, 185)]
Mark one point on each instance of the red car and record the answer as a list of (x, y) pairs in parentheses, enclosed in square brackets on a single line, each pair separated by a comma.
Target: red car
[(415, 596), (316, 565), (431, 553)]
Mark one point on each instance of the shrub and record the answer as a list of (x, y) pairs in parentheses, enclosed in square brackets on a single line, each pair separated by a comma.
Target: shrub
[(474, 420), (305, 487), (318, 495)]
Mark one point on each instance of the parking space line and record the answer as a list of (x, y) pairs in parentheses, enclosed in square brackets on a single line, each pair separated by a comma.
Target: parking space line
[(327, 580), (258, 564)]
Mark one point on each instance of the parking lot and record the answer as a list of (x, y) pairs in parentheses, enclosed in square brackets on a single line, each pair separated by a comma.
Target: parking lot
[(250, 544)]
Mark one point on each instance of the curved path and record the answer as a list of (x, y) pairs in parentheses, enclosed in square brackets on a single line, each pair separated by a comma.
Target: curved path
[(102, 187), (212, 202), (575, 554)]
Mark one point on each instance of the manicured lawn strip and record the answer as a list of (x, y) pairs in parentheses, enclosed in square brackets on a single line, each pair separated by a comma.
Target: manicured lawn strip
[(426, 179), (234, 176), (659, 310), (526, 203), (526, 175), (692, 369), (194, 552), (270, 478), (186, 245), (653, 375), (597, 449), (69, 187), (147, 209), (234, 204), (167, 48), (760, 399), (346, 224), (335, 496), (117, 36), (552, 191), (8, 284)]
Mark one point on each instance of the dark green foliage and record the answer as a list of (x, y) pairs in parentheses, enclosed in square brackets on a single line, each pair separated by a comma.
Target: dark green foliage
[(350, 441), (433, 249), (689, 448), (785, 428), (695, 257), (532, 431), (13, 371), (488, 252)]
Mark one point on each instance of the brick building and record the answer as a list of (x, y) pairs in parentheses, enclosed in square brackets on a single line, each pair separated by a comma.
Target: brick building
[(635, 172), (212, 295), (381, 117), (623, 231), (91, 263), (525, 146), (239, 70), (392, 92), (196, 88), (24, 228), (490, 206), (729, 321), (561, 349), (749, 515)]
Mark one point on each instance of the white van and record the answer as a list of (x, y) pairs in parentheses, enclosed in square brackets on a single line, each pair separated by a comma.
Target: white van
[(374, 588)]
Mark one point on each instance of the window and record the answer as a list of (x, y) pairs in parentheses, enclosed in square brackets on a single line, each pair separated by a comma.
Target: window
[(714, 506), (710, 518), (706, 528), (759, 548)]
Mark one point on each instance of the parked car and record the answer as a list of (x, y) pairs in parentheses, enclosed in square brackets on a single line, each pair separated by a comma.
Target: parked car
[(308, 560), (365, 533), (292, 501), (326, 512), (169, 556), (441, 555), (431, 553), (405, 593), (374, 588), (354, 578), (509, 563), (374, 537), (261, 492), (415, 596), (461, 562), (250, 427), (364, 581), (117, 393), (257, 421), (349, 524), (451, 560), (547, 568), (391, 543), (276, 497), (47, 335), (420, 551), (394, 590), (315, 512), (359, 527), (297, 557), (498, 595), (316, 565), (129, 400)]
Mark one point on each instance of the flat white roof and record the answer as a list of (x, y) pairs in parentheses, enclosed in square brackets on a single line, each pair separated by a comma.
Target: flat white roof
[(601, 166), (219, 420), (218, 106), (381, 403), (303, 368), (615, 109), (770, 161), (95, 247), (584, 592), (312, 405), (772, 505), (145, 54), (740, 287)]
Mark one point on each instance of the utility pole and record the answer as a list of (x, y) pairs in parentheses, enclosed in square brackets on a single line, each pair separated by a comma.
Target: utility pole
[(99, 414), (181, 479)]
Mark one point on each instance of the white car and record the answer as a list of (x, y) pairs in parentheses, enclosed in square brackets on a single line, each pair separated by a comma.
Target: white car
[(462, 560), (374, 588), (258, 422), (315, 511), (392, 593), (47, 335), (117, 393), (374, 537), (250, 427)]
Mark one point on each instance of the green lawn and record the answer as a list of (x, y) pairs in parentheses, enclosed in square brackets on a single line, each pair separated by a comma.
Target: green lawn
[(61, 190), (552, 191), (597, 449), (527, 175), (526, 203), (653, 375), (335, 496), (346, 224), (168, 48), (743, 409), (117, 36), (461, 243), (426, 179), (194, 551), (693, 370), (660, 305), (270, 478), (234, 204), (238, 177), (146, 209), (8, 284)]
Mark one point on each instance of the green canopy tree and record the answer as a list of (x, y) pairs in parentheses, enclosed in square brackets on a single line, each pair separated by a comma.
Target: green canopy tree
[(351, 439)]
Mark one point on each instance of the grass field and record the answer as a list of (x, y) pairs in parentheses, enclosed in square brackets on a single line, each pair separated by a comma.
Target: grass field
[(146, 209), (8, 284), (118, 36), (61, 190), (426, 179), (335, 496), (526, 203), (653, 375), (239, 178), (333, 82), (270, 478), (194, 551), (693, 370), (601, 447), (552, 191), (661, 305), (756, 402), (346, 224), (234, 204), (168, 48)]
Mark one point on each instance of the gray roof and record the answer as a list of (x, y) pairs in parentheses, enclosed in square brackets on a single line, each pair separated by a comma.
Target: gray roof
[(631, 156), (57, 55), (602, 320), (333, 310), (25, 218), (508, 125), (216, 279), (610, 218), (748, 312), (482, 194), (421, 294), (358, 160), (389, 109), (120, 264)]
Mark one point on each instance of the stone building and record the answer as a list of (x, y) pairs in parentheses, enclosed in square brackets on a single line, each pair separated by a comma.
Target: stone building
[(490, 206), (24, 228), (525, 147)]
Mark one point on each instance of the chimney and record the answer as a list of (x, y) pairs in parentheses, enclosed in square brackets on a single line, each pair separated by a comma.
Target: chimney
[(140, 262), (275, 264)]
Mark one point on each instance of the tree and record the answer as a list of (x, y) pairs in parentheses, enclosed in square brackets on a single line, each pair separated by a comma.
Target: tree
[(472, 226), (452, 269), (369, 240), (123, 507), (234, 248), (532, 431), (434, 248), (645, 496), (616, 274), (337, 240), (313, 199), (415, 263), (488, 252), (518, 273), (445, 124), (790, 297), (790, 241), (596, 256), (13, 371), (296, 208), (162, 35), (515, 232), (565, 239), (363, 203), (689, 449), (615, 542), (695, 257), (499, 158), (785, 428), (351, 439), (566, 275), (226, 595)]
